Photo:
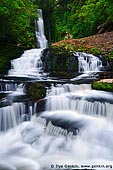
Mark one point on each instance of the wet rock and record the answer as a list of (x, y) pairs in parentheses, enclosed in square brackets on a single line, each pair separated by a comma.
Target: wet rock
[(59, 60), (36, 91)]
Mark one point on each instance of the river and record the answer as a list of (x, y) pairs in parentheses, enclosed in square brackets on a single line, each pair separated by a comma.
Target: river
[(74, 130)]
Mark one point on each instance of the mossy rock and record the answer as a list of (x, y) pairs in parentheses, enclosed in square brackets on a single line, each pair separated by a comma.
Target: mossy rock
[(100, 85), (110, 59), (36, 91), (59, 59)]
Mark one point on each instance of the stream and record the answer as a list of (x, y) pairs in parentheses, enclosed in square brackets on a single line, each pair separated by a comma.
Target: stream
[(71, 128)]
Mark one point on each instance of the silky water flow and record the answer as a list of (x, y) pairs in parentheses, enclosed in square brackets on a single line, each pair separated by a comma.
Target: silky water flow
[(74, 132)]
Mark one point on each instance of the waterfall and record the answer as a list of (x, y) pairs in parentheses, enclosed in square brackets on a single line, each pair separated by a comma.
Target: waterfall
[(88, 62), (76, 116), (11, 116), (39, 27), (75, 131), (59, 148), (30, 63), (81, 99)]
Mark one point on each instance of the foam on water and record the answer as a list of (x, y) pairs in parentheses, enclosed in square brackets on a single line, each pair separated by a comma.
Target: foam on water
[(88, 62), (29, 64), (82, 99), (30, 151)]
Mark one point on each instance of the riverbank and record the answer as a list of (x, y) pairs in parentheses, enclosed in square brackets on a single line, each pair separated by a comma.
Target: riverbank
[(99, 44)]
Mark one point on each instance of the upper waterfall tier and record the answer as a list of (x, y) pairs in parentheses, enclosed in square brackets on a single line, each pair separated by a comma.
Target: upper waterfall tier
[(39, 31), (30, 64)]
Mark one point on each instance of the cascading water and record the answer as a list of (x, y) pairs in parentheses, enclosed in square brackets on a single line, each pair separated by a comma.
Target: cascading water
[(74, 132), (11, 116), (40, 37), (89, 65), (80, 98), (30, 64), (88, 62)]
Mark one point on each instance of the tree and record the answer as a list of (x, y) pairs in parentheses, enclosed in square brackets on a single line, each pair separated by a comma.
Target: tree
[(80, 18), (16, 17)]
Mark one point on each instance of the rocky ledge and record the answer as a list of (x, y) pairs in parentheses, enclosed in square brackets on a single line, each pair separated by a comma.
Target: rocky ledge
[(99, 44), (96, 44)]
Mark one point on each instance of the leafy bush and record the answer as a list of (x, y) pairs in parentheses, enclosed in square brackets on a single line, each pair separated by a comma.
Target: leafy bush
[(103, 86)]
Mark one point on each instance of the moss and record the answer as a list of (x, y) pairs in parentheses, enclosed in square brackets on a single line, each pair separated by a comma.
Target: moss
[(82, 47), (4, 65), (36, 91), (59, 59), (66, 46), (98, 85), (95, 51), (110, 59)]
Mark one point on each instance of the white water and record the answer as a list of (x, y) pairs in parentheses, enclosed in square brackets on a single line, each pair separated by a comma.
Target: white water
[(88, 62), (30, 151), (34, 145), (25, 148), (11, 116), (40, 37), (30, 64), (81, 99)]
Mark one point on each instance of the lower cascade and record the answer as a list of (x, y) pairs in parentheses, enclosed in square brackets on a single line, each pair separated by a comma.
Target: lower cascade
[(74, 116), (74, 129)]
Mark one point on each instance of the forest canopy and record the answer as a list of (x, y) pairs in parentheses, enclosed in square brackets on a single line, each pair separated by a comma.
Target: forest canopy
[(16, 21), (64, 19)]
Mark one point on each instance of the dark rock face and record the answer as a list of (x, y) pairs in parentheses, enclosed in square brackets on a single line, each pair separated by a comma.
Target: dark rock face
[(59, 59), (36, 90), (41, 106)]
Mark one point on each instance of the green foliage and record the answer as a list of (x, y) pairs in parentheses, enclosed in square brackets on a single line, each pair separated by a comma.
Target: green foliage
[(95, 51), (76, 18), (7, 53), (16, 17), (110, 55), (103, 86), (37, 91), (63, 19)]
